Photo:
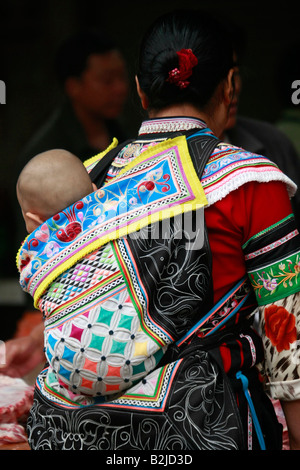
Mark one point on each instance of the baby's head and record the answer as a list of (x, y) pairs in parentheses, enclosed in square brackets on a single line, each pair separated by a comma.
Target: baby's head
[(50, 182)]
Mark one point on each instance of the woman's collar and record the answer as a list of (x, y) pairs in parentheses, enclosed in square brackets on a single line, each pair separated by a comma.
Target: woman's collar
[(171, 124)]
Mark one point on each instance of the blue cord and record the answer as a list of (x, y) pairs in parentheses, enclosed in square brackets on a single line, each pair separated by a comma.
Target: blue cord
[(258, 430)]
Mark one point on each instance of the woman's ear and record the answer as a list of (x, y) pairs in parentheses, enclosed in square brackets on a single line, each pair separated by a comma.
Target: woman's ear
[(142, 94), (229, 86)]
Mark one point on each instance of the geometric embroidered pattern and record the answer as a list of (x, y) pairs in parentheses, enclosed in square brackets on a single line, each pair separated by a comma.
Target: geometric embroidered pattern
[(100, 352), (151, 393), (88, 272)]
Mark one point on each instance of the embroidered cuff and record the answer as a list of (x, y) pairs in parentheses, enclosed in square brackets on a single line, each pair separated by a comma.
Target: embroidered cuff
[(273, 261)]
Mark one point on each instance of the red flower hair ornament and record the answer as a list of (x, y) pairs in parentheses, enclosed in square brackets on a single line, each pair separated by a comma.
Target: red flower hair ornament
[(187, 61)]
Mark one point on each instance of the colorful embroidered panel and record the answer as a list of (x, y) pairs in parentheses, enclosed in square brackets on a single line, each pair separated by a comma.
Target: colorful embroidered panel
[(94, 275), (230, 167), (97, 341), (147, 394), (100, 338), (151, 393), (101, 351), (159, 184), (273, 261), (129, 153)]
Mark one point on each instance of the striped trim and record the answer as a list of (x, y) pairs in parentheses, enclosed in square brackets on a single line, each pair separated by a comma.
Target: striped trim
[(84, 294), (230, 167), (139, 400), (229, 296), (268, 229), (272, 246), (134, 298), (53, 322)]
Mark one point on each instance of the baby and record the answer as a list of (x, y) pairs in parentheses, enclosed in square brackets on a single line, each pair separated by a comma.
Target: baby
[(50, 182), (94, 342)]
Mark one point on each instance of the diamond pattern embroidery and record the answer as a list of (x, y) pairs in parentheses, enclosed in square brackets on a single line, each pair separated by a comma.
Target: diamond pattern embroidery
[(90, 271), (76, 332), (102, 350), (97, 342)]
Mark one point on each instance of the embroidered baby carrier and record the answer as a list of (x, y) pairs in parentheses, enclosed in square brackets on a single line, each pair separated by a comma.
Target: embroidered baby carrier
[(122, 278)]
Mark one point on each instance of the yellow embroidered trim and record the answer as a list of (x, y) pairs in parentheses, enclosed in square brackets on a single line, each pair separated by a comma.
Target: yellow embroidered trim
[(181, 143), (199, 201), (18, 254), (96, 158)]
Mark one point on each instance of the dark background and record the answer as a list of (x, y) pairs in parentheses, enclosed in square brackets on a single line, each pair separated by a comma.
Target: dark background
[(30, 32)]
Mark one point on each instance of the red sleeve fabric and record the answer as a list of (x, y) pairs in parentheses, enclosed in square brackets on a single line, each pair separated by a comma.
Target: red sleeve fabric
[(236, 218)]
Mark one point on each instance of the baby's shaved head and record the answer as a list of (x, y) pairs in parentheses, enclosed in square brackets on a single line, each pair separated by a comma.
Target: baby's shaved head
[(51, 181)]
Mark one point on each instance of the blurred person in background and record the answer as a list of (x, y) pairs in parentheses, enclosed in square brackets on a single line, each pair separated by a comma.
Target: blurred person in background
[(261, 137), (93, 76)]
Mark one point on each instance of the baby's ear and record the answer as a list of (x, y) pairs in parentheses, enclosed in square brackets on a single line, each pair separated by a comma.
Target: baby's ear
[(94, 187), (34, 217)]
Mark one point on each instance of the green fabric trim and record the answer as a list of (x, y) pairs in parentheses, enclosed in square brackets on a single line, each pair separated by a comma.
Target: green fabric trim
[(276, 281)]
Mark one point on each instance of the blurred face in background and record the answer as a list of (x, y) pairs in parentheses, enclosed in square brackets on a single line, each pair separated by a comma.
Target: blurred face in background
[(102, 89)]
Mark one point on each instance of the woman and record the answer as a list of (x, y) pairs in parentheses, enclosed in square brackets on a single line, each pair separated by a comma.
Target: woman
[(195, 290)]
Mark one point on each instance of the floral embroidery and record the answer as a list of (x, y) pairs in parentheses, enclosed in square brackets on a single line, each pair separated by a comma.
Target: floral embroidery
[(277, 280), (280, 327)]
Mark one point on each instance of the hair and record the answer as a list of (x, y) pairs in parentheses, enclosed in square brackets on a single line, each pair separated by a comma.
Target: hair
[(72, 55), (209, 41)]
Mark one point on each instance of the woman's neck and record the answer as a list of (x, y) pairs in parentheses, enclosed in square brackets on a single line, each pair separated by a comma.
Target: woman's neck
[(189, 110)]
